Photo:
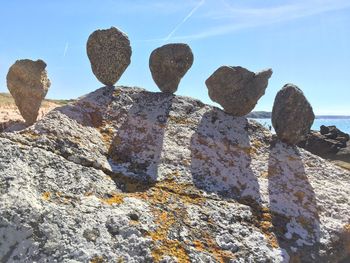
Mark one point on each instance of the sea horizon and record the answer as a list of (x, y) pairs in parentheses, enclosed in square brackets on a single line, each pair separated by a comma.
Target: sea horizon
[(342, 124)]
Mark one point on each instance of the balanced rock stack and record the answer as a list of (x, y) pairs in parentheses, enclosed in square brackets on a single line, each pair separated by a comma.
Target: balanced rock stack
[(109, 52), (292, 115), (168, 64), (28, 83), (237, 89)]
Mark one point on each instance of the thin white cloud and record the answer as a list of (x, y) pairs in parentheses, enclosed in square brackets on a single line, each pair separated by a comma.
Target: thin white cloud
[(65, 49), (184, 20), (232, 19)]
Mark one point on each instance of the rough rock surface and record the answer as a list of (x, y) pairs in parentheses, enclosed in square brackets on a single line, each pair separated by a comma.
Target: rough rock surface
[(292, 115), (237, 89), (28, 83), (109, 52), (168, 64), (125, 175)]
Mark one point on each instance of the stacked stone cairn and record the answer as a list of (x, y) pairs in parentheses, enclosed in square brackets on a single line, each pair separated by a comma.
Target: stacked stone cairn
[(292, 115), (168, 65), (109, 52), (28, 84), (236, 89)]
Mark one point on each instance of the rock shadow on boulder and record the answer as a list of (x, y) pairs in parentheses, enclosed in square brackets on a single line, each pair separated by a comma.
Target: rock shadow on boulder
[(137, 145), (220, 157), (293, 206)]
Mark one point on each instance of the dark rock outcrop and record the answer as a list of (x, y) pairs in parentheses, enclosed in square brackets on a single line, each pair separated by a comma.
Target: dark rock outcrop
[(292, 115), (237, 89), (109, 52), (168, 65), (28, 83), (329, 143), (128, 175)]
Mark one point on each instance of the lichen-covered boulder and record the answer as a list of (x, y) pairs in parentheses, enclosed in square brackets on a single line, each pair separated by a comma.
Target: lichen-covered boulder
[(237, 89), (292, 114), (28, 83), (109, 52), (168, 64), (126, 175)]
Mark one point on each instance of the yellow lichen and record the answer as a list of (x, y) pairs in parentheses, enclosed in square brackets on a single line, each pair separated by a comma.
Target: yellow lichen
[(117, 92), (180, 120), (115, 199), (98, 259), (164, 245), (46, 196)]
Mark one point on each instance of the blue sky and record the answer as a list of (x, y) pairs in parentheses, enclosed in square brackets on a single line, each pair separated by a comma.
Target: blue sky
[(305, 42)]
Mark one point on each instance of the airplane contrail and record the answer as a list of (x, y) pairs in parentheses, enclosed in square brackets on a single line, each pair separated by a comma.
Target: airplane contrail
[(184, 20), (65, 49)]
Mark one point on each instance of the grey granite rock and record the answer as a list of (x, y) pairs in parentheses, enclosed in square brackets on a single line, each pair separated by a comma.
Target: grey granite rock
[(168, 64), (28, 84), (237, 89), (292, 114), (128, 175), (109, 53)]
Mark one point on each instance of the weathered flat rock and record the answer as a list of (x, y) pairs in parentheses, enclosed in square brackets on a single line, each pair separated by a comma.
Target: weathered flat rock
[(128, 175), (28, 84), (292, 115), (109, 52), (168, 65), (237, 89)]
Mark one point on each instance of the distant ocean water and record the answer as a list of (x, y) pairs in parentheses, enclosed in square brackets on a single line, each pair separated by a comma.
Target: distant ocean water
[(342, 124)]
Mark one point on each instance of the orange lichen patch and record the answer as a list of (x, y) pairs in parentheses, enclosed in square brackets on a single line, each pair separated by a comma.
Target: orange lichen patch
[(264, 223), (46, 196), (266, 217), (164, 245), (115, 199), (210, 246), (272, 240), (266, 226), (198, 245), (107, 135)]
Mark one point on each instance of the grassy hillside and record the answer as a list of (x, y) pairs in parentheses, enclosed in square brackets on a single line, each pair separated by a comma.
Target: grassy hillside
[(6, 100)]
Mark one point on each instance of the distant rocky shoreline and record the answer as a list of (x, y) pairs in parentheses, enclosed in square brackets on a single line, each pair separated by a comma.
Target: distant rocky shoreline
[(267, 115), (329, 143)]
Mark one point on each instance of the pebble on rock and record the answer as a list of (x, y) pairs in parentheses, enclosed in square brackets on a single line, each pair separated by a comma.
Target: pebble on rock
[(109, 52), (292, 115), (237, 89), (168, 65), (28, 83)]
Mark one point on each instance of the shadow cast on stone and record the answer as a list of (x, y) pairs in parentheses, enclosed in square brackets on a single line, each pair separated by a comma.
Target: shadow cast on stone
[(220, 158), (12, 126), (293, 206), (137, 145), (88, 110)]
